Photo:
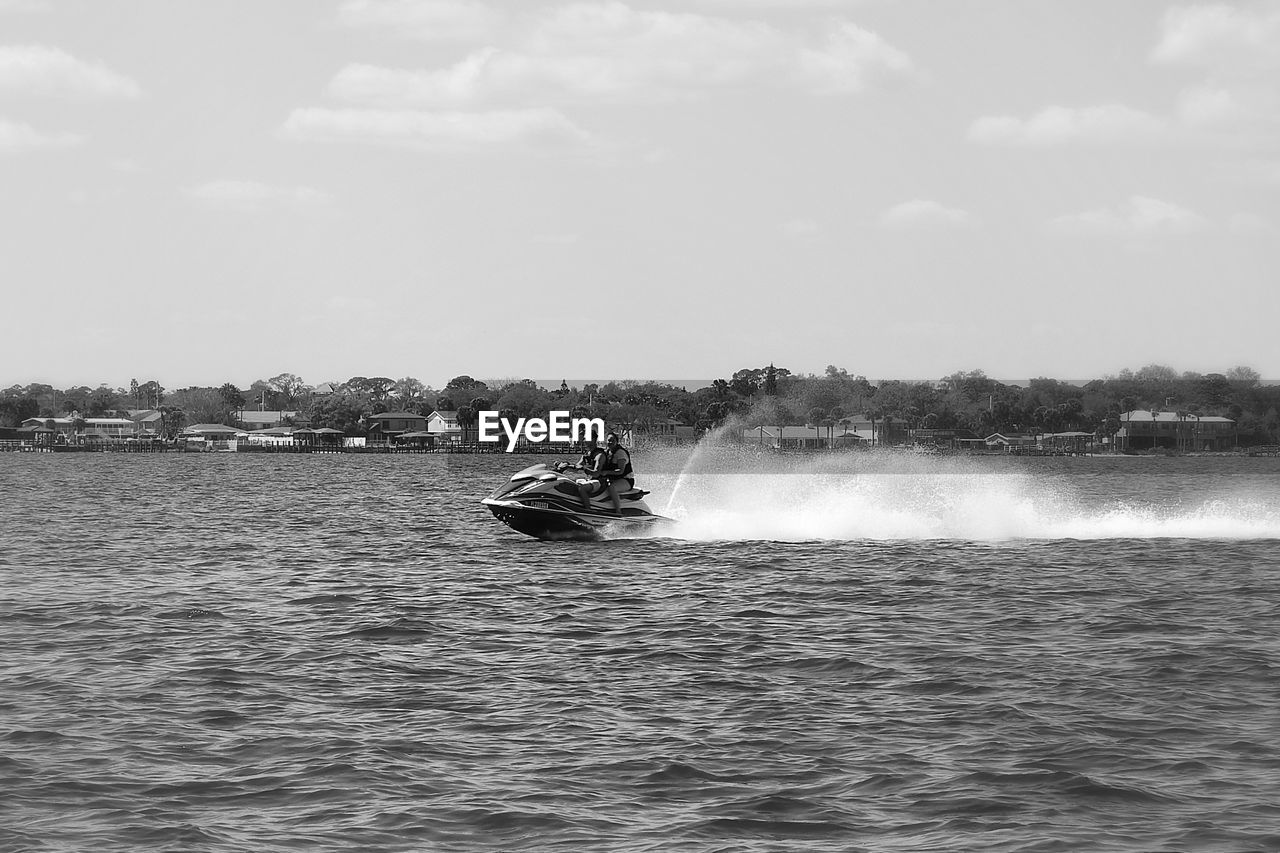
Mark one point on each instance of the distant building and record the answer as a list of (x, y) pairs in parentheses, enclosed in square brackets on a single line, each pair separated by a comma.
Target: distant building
[(387, 426), (666, 431), (949, 439), (91, 428), (59, 426), (804, 437), (1067, 442), (111, 427), (150, 422), (444, 426), (1144, 430), (1008, 441), (213, 432)]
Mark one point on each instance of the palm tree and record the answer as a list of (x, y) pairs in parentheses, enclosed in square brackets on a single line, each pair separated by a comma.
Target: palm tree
[(872, 415), (834, 416), (1181, 442), (467, 419)]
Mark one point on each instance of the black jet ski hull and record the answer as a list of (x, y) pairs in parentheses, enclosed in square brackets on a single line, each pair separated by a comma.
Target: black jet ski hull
[(558, 525)]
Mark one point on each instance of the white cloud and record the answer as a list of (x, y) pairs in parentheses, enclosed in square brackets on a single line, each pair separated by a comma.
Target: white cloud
[(39, 70), (850, 59), (924, 213), (1109, 123), (607, 50), (17, 138), (533, 127), (1207, 104), (1237, 102), (1225, 38), (388, 87), (1139, 216), (252, 195), (1238, 48), (430, 20)]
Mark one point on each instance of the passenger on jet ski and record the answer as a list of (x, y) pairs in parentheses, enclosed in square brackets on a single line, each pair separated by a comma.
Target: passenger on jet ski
[(617, 472)]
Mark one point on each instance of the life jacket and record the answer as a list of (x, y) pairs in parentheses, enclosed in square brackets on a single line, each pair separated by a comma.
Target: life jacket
[(591, 459), (627, 471)]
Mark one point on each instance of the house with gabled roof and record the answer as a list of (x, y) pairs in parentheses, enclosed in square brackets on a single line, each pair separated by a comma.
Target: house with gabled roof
[(444, 425), (387, 426), (58, 426), (150, 422), (1009, 440)]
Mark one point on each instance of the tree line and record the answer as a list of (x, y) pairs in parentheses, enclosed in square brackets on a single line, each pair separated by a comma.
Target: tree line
[(765, 396)]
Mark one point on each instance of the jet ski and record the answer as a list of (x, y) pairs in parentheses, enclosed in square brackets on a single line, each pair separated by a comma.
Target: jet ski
[(542, 501)]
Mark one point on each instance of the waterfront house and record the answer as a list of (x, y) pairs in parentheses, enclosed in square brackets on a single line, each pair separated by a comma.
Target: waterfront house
[(941, 439), (272, 437), (64, 427), (1145, 430), (421, 439), (323, 437), (92, 429), (211, 436), (36, 433), (387, 426), (150, 422), (664, 431), (1067, 442), (109, 429), (1008, 441), (444, 426)]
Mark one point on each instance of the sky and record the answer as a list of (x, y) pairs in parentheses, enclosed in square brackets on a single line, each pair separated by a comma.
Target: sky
[(200, 193)]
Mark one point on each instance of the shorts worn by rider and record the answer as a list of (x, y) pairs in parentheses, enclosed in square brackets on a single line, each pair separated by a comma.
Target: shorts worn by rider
[(590, 463)]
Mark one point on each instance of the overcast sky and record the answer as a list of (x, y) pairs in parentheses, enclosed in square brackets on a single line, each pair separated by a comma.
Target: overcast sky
[(204, 192)]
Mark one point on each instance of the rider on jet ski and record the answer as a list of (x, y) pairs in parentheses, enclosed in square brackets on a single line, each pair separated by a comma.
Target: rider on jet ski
[(590, 463)]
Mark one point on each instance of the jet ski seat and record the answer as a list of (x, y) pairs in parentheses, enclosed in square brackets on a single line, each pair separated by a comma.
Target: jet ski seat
[(599, 490)]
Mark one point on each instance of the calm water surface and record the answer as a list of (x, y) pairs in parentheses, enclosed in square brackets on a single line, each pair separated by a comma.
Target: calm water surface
[(231, 652)]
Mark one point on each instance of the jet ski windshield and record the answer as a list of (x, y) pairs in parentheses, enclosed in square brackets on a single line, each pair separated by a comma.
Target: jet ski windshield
[(538, 471)]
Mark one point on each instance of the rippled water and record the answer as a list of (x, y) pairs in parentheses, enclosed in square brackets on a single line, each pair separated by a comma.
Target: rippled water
[(234, 652)]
